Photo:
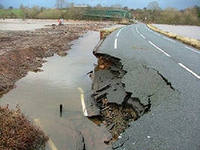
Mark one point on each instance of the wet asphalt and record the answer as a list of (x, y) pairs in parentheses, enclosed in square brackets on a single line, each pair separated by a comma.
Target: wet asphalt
[(168, 72)]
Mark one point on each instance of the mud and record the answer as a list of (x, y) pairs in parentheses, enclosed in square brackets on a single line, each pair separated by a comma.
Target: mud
[(23, 51)]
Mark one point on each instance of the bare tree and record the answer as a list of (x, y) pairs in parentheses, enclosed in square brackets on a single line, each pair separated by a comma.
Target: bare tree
[(22, 7), (1, 6), (153, 6), (60, 3), (98, 6), (116, 6)]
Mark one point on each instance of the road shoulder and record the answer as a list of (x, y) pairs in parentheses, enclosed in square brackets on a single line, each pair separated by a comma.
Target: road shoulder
[(190, 41)]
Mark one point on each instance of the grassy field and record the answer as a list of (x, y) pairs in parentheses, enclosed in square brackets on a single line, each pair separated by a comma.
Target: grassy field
[(37, 13), (11, 13), (75, 13)]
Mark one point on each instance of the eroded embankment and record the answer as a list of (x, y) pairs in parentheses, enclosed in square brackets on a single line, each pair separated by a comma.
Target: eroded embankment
[(117, 106), (123, 92)]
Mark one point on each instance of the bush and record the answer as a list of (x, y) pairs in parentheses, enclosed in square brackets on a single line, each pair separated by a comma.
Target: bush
[(50, 14), (31, 13), (189, 16), (74, 13), (11, 13), (16, 132)]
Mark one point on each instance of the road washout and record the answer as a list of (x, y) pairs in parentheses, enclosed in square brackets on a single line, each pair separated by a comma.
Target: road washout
[(23, 51), (124, 91), (117, 107)]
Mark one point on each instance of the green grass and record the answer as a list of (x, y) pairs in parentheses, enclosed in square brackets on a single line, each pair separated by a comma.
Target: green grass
[(11, 13), (50, 14), (18, 12)]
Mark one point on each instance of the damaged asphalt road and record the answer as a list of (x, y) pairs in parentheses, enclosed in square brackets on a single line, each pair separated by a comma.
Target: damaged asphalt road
[(140, 72)]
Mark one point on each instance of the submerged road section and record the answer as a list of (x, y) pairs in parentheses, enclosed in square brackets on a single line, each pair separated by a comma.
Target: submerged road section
[(63, 81), (157, 72)]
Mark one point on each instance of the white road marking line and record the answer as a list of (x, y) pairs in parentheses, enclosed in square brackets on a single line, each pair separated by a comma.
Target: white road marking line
[(119, 32), (142, 36), (83, 102), (166, 53), (186, 68), (169, 39), (137, 30), (192, 49), (52, 145), (50, 142), (115, 44), (140, 33), (159, 49)]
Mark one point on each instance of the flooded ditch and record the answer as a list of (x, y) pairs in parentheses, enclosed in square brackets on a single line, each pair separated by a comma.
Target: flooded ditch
[(39, 96)]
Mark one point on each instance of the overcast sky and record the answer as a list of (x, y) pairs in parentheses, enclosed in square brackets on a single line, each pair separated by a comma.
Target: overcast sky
[(180, 4)]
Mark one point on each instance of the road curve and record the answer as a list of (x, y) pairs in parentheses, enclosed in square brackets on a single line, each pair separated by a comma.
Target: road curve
[(173, 122)]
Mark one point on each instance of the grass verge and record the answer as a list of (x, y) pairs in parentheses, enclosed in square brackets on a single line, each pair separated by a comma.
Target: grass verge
[(193, 42), (105, 32)]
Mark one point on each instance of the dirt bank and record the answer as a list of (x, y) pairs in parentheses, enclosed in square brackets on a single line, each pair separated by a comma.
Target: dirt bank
[(117, 107), (19, 133), (22, 51)]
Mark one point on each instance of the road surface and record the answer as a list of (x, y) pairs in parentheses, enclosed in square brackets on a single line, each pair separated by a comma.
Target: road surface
[(168, 71)]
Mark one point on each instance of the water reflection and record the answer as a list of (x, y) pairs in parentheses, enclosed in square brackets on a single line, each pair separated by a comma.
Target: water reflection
[(40, 94)]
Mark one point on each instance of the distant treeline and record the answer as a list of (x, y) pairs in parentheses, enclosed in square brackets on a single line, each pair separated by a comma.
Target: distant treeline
[(189, 16), (152, 14), (75, 13), (43, 13)]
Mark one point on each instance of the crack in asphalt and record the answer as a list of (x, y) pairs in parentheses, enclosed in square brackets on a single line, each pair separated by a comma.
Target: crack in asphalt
[(166, 81), (111, 98), (118, 106)]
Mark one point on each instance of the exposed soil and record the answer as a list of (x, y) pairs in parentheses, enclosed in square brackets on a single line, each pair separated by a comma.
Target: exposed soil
[(116, 112), (119, 106), (22, 51), (17, 132)]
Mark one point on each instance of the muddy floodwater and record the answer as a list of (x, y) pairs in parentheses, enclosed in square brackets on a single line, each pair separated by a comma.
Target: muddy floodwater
[(39, 95)]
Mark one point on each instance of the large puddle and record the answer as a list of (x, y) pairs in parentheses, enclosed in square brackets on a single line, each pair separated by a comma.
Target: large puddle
[(39, 95)]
